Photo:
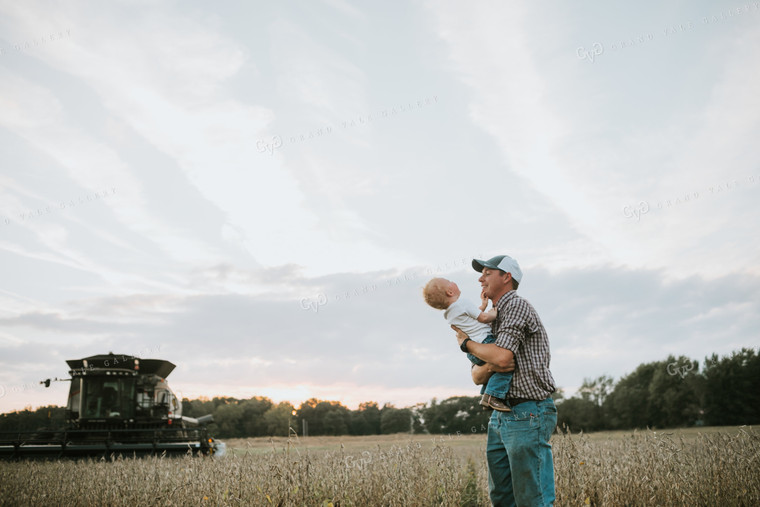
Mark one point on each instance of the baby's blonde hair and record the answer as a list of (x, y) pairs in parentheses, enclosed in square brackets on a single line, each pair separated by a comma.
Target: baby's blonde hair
[(435, 294)]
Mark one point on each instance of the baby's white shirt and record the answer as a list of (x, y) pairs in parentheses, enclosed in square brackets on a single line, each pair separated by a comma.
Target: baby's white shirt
[(464, 315)]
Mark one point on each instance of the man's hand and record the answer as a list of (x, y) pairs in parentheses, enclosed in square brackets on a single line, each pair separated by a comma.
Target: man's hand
[(499, 369), (480, 374), (461, 335)]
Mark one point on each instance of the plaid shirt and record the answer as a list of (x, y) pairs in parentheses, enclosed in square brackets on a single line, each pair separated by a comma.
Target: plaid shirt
[(519, 329)]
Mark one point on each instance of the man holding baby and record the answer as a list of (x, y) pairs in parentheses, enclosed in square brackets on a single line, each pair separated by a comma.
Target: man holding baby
[(520, 466)]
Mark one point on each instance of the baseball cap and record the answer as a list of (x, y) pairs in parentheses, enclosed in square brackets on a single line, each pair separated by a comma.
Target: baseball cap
[(503, 262)]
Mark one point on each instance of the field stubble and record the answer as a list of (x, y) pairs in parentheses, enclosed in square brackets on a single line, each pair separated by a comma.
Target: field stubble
[(709, 467)]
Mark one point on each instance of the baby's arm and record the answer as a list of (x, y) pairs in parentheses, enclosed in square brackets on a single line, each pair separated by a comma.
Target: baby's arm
[(483, 302), (486, 317)]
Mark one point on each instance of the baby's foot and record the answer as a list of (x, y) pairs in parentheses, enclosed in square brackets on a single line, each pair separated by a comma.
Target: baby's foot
[(494, 403)]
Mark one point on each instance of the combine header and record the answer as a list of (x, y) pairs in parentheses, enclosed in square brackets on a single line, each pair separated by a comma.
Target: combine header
[(118, 404)]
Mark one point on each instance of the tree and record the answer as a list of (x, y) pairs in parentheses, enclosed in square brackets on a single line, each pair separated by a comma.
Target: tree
[(277, 419), (578, 414), (395, 420), (315, 412), (458, 413), (673, 393), (365, 420), (44, 418), (596, 390), (418, 411), (586, 413), (628, 405), (335, 422), (200, 407), (732, 388), (253, 421), (229, 420)]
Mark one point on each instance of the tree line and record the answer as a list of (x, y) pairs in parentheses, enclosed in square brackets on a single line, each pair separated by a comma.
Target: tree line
[(258, 416), (668, 394), (661, 394)]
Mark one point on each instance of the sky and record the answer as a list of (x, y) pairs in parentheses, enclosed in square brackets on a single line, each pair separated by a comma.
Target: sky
[(258, 191)]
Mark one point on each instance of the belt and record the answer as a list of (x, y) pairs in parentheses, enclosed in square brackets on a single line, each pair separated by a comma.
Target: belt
[(516, 401)]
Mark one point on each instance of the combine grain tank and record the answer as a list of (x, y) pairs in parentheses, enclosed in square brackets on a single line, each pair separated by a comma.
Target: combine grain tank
[(118, 404)]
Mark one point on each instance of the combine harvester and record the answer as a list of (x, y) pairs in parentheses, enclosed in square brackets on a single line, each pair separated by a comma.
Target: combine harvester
[(118, 405)]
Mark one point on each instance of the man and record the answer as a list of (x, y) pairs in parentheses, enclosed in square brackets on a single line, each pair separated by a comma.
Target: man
[(520, 466)]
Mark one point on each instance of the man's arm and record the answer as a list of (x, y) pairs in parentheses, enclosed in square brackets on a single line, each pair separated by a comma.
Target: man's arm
[(481, 374), (500, 358)]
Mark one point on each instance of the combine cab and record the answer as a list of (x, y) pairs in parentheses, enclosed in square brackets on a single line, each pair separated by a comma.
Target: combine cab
[(118, 404)]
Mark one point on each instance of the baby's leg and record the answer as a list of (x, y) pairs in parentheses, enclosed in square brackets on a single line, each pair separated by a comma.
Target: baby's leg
[(498, 385)]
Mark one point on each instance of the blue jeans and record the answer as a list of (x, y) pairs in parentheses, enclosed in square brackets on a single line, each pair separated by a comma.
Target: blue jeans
[(520, 465), (476, 360), (498, 384)]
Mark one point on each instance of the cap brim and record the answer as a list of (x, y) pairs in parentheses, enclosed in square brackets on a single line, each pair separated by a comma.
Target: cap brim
[(478, 265)]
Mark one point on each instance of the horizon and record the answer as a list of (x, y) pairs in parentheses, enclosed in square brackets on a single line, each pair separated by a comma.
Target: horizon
[(678, 368)]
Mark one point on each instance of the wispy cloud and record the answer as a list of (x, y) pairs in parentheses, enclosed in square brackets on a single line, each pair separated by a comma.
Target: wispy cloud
[(566, 144)]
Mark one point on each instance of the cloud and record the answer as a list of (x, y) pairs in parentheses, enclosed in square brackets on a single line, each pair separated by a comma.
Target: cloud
[(577, 135), (387, 339)]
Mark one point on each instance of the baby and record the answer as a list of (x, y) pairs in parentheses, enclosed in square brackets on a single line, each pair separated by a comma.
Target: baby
[(443, 294)]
